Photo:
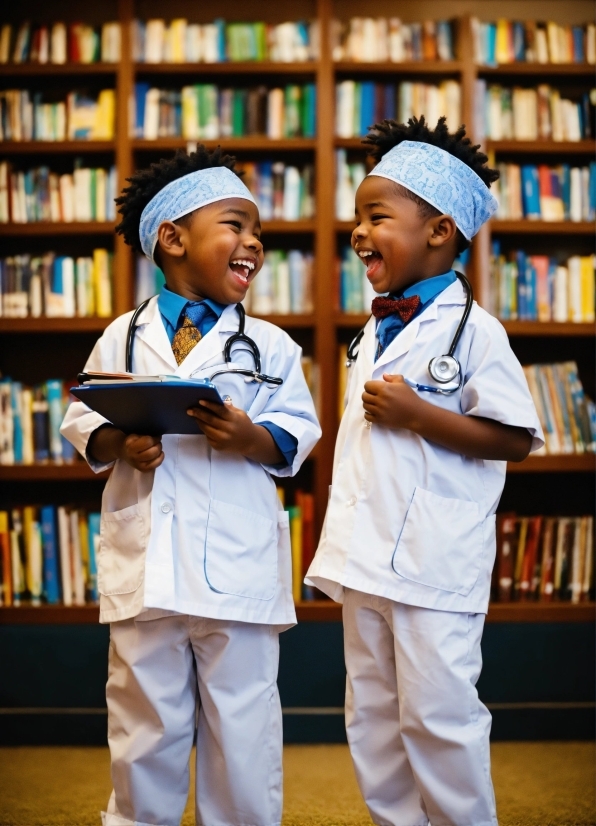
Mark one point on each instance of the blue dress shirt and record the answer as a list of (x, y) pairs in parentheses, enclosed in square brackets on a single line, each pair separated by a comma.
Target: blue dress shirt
[(390, 326), (171, 307)]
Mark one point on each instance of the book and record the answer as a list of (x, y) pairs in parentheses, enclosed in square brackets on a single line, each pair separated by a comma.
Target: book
[(59, 44), (356, 293), (554, 558), (51, 580), (510, 41), (284, 284), (564, 192), (372, 40), (26, 117)]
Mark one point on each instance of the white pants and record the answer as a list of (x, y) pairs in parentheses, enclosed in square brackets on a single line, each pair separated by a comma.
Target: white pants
[(170, 676), (418, 734)]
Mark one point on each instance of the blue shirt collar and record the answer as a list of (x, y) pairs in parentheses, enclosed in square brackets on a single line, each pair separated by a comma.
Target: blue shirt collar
[(429, 288), (171, 304)]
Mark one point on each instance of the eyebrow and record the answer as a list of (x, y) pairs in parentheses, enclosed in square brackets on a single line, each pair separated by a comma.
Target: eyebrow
[(241, 214)]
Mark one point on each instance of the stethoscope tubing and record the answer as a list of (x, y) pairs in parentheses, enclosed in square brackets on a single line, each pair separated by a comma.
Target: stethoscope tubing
[(235, 338)]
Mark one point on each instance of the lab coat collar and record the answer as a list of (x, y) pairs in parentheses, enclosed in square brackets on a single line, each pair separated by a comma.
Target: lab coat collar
[(454, 294)]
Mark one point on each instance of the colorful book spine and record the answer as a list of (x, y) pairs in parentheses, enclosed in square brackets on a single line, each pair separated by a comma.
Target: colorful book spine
[(544, 559), (561, 193), (381, 39), (58, 44), (509, 41), (24, 116), (355, 291)]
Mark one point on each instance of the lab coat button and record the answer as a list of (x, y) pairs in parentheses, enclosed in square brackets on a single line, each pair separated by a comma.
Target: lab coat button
[(352, 501), (367, 424), (166, 507)]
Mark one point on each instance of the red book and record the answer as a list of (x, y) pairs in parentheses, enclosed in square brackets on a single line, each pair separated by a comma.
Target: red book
[(530, 557), (306, 503), (544, 179), (506, 544), (547, 562)]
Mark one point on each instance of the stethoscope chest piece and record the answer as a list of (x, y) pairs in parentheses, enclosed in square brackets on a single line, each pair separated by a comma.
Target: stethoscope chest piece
[(444, 369)]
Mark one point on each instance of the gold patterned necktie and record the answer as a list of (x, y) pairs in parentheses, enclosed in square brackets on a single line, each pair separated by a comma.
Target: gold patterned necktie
[(185, 339)]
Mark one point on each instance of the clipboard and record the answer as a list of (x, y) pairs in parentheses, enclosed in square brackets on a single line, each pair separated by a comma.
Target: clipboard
[(149, 408)]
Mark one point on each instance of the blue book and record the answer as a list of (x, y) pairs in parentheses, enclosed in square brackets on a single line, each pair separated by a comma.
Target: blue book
[(54, 397), (93, 521), (57, 275), (519, 49), (309, 110), (592, 191), (565, 182), (220, 25), (17, 422), (367, 106), (491, 44), (578, 44), (265, 189), (520, 258), (531, 292), (51, 578), (530, 191), (141, 90), (296, 267), (390, 102)]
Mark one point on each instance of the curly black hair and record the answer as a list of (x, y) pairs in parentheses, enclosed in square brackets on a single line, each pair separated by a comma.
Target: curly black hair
[(146, 183), (385, 135)]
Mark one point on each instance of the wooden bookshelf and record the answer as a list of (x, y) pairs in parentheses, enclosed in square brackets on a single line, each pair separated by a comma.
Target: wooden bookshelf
[(51, 472), (326, 327), (315, 611)]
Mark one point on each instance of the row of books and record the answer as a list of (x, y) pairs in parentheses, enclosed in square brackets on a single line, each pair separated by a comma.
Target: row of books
[(355, 290), (282, 192), (30, 419), (56, 286), (567, 415), (512, 41), (532, 114), (60, 43), (24, 116), (561, 193), (156, 41), (544, 558), (382, 39), (208, 111), (348, 177), (284, 285), (302, 539), (39, 194), (358, 105), (537, 288), (48, 554)]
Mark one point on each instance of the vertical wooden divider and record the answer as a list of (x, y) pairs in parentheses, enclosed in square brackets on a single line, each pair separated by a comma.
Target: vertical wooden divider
[(325, 300), (123, 259)]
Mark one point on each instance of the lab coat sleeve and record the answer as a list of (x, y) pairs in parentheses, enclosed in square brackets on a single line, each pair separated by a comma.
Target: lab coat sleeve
[(80, 422), (290, 406), (495, 386)]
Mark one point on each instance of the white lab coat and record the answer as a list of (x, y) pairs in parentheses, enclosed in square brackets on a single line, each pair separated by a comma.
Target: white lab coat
[(205, 533), (407, 519)]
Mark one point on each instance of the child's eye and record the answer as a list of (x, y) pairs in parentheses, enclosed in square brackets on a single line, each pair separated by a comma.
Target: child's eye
[(377, 217), (235, 224)]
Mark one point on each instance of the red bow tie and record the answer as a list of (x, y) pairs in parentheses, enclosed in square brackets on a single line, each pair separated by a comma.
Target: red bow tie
[(405, 307)]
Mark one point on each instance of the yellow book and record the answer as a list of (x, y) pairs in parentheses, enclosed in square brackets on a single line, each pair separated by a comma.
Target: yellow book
[(178, 40), (587, 287), (102, 282), (5, 561), (282, 495), (296, 539), (100, 194), (33, 553), (190, 114), (521, 548), (84, 544), (502, 50), (342, 376), (103, 129)]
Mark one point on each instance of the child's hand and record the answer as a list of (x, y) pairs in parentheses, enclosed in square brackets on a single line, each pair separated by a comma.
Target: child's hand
[(391, 403), (230, 428), (143, 453)]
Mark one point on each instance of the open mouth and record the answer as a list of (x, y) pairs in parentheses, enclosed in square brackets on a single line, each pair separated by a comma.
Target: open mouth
[(372, 260), (243, 268)]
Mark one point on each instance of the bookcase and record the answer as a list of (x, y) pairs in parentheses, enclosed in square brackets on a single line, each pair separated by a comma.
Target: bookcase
[(32, 349)]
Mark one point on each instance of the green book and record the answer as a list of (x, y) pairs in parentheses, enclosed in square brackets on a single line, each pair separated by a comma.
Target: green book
[(260, 34), (308, 110), (93, 193), (357, 108), (292, 99), (238, 113)]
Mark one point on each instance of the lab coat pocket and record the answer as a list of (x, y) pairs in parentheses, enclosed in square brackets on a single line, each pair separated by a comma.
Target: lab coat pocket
[(121, 558), (240, 552), (440, 544)]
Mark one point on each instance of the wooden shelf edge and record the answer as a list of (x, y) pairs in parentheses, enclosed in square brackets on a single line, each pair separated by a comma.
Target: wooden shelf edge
[(54, 325), (537, 69), (57, 228), (582, 462), (54, 147), (410, 67), (542, 227), (567, 147), (41, 69), (51, 472), (549, 328), (316, 611), (228, 68), (248, 142)]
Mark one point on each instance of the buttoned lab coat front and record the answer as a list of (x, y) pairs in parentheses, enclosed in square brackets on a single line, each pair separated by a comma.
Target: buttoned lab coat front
[(408, 519), (205, 533)]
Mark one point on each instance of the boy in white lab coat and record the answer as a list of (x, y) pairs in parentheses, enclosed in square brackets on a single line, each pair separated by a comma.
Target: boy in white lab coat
[(409, 538), (194, 561)]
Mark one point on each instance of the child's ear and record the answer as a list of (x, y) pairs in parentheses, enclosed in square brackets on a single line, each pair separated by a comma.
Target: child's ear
[(169, 238), (442, 230)]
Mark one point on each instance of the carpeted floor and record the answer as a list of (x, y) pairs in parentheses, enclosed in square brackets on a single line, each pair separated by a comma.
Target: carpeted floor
[(537, 784)]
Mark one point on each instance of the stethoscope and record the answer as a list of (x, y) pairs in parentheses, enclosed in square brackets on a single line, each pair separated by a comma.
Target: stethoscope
[(443, 369), (236, 338)]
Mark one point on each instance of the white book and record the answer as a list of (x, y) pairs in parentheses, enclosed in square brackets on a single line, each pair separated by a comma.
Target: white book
[(541, 46), (275, 114), (151, 122), (396, 41), (111, 193), (65, 558), (381, 49), (291, 201), (284, 36), (344, 192), (261, 289), (591, 44), (111, 42), (76, 559), (154, 41), (210, 44), (571, 121), (68, 286), (370, 41), (435, 104), (35, 296), (575, 194), (67, 198), (194, 43), (452, 92), (58, 51), (561, 295), (589, 556), (587, 210), (494, 114), (82, 194), (344, 126), (282, 288)]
